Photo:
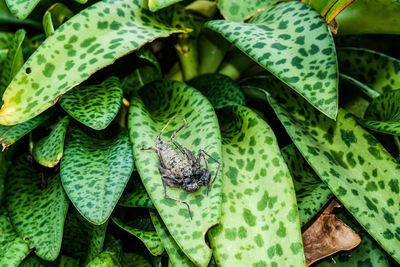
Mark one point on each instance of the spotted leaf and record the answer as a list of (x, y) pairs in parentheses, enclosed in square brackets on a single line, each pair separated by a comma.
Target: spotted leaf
[(94, 172), (87, 42), (311, 193), (94, 105), (49, 150), (21, 9), (175, 254), (37, 214), (260, 223), (354, 165), (221, 90), (239, 10), (328, 8), (13, 249), (138, 197), (11, 134), (111, 256), (368, 253), (155, 105), (82, 240), (155, 5), (148, 236), (376, 70), (56, 15), (292, 41)]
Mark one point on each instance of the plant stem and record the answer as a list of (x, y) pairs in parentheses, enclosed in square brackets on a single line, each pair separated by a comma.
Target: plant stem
[(212, 50), (188, 56), (236, 65), (397, 142)]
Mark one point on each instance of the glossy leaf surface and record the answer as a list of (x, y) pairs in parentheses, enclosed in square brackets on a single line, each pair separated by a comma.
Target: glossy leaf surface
[(89, 41), (36, 213), (138, 197), (259, 224), (157, 104), (49, 150), (355, 166), (149, 238), (94, 105), (311, 193), (21, 9), (239, 10), (94, 172), (293, 42), (221, 90), (155, 5)]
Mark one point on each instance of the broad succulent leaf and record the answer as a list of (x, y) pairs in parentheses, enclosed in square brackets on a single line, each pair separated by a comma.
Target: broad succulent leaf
[(111, 256), (21, 9), (76, 50), (13, 61), (368, 253), (383, 114), (56, 15), (82, 240), (311, 193), (94, 172), (13, 249), (11, 134), (175, 254), (155, 5), (239, 10), (376, 70), (259, 225), (293, 42), (221, 90), (36, 213), (94, 105), (157, 104), (149, 237), (354, 165), (49, 150), (138, 197), (6, 38)]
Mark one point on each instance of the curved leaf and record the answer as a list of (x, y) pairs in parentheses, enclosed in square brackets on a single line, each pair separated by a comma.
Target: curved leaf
[(78, 48), (94, 173), (133, 259), (137, 198), (221, 90), (175, 254), (21, 9), (94, 105), (354, 165), (13, 249), (293, 42), (259, 224), (328, 8), (112, 256), (158, 103), (155, 5), (49, 150), (37, 214), (149, 238), (239, 10), (376, 70), (56, 15), (311, 193)]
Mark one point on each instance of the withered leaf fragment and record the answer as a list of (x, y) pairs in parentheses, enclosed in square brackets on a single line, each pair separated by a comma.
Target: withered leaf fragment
[(327, 235)]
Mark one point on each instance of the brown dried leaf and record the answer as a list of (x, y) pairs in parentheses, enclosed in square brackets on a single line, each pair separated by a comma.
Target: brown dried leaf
[(327, 235)]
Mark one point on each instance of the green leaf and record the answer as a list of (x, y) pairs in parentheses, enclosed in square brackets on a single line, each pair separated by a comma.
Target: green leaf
[(12, 248), (221, 90), (293, 42), (6, 38), (138, 197), (338, 7), (376, 70), (368, 253), (383, 114), (49, 150), (94, 173), (3, 173), (311, 193), (37, 214), (82, 240), (11, 134), (94, 105), (175, 254), (148, 236), (133, 259), (260, 222), (21, 9), (158, 103), (56, 15), (155, 5), (13, 61), (328, 8), (239, 10), (354, 165), (66, 261), (146, 54), (112, 256), (78, 48)]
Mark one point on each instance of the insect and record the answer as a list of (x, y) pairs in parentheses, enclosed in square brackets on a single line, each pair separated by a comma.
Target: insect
[(182, 171)]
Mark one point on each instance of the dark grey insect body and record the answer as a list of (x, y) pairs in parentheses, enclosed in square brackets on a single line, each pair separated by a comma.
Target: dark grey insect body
[(182, 171)]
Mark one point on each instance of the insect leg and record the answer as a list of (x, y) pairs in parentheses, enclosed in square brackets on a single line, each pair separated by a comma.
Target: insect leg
[(201, 155), (174, 133), (148, 148), (177, 200)]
